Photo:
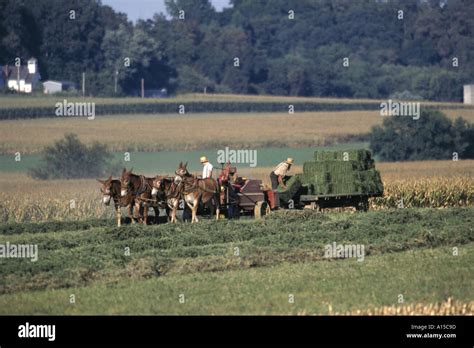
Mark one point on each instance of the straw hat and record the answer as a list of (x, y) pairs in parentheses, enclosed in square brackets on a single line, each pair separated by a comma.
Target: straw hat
[(203, 159), (289, 160)]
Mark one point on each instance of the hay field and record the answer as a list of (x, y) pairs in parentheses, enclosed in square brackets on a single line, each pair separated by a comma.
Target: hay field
[(197, 131), (280, 256), (190, 132)]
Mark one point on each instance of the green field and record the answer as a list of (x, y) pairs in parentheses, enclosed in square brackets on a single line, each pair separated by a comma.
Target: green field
[(407, 251), (167, 161)]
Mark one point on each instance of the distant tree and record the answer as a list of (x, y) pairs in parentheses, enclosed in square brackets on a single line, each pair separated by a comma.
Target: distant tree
[(69, 158), (430, 52), (432, 136), (200, 11), (464, 133), (191, 81), (18, 32)]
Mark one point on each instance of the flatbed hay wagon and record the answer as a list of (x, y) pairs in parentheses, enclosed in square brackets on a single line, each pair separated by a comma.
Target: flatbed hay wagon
[(318, 202), (334, 179)]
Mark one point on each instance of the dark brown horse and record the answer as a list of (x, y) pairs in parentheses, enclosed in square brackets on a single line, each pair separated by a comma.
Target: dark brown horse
[(195, 190), (168, 193), (111, 191), (140, 188)]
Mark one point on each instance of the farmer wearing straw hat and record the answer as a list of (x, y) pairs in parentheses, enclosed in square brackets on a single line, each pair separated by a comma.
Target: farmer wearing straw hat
[(280, 171), (207, 167)]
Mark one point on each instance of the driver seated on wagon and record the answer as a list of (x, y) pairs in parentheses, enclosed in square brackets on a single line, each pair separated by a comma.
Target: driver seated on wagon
[(207, 167)]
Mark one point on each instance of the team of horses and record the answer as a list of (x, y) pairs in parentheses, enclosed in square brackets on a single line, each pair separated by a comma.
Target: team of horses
[(139, 193)]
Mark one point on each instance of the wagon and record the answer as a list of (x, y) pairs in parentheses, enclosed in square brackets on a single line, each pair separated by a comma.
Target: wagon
[(318, 202), (334, 179), (241, 196)]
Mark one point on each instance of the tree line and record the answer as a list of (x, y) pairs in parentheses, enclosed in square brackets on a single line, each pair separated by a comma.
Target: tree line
[(341, 48)]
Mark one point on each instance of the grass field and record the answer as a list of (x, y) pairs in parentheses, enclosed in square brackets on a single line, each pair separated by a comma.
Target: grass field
[(198, 131), (164, 162), (280, 256)]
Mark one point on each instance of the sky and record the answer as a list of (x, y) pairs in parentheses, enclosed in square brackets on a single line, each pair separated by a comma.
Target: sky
[(145, 9)]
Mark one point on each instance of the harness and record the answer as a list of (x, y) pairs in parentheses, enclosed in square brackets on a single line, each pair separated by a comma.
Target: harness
[(143, 185), (195, 185)]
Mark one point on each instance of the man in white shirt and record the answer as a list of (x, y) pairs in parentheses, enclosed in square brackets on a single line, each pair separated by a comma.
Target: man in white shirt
[(280, 171), (207, 168)]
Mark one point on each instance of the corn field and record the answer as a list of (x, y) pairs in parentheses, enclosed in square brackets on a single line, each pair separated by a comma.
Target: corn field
[(31, 209), (23, 199), (426, 193)]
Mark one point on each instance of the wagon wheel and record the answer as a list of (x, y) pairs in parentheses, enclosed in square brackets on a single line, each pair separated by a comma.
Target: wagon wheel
[(363, 204), (313, 206), (261, 209)]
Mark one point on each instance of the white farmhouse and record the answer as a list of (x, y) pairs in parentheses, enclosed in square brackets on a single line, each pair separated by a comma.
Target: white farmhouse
[(22, 78)]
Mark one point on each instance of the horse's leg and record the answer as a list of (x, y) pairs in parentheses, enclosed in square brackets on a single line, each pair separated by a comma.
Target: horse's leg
[(171, 208), (218, 206), (136, 213), (190, 206), (174, 210), (210, 204), (168, 213), (130, 212), (157, 213), (194, 211), (145, 213), (119, 214)]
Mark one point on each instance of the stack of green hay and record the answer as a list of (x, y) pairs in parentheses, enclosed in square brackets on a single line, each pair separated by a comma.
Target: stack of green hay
[(293, 184), (359, 155), (342, 172)]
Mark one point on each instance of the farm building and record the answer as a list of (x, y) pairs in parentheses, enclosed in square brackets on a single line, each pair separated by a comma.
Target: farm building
[(469, 94), (51, 87), (22, 78)]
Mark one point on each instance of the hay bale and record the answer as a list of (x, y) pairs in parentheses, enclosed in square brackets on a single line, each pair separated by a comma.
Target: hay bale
[(342, 172), (293, 184), (360, 155), (372, 183)]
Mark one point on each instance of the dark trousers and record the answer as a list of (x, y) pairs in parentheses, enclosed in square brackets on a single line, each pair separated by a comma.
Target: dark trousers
[(274, 180)]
